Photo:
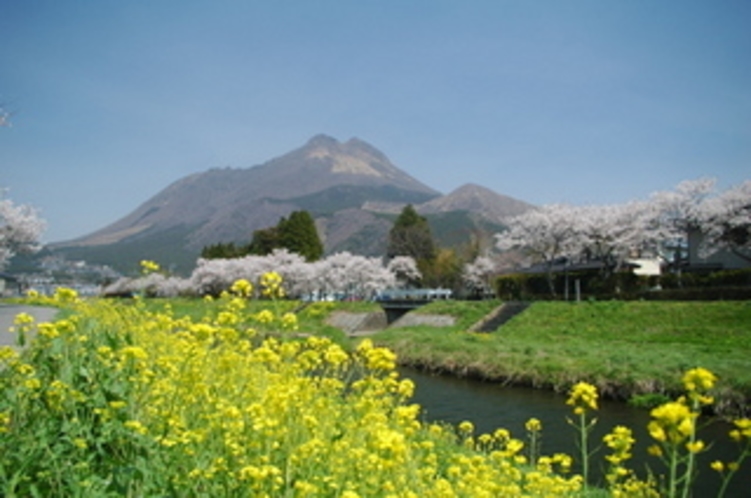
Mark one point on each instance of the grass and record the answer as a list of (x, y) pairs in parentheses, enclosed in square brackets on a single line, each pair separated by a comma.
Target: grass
[(624, 348)]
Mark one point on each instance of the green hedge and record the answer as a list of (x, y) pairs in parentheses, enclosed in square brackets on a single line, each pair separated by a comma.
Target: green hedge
[(699, 294), (525, 286), (719, 285), (724, 278)]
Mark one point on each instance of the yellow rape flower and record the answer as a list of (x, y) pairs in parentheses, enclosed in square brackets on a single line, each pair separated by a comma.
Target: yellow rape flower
[(135, 352), (148, 266), (533, 425), (272, 285), (48, 330), (289, 321), (65, 295), (466, 427), (699, 379), (23, 319), (242, 288), (7, 353), (619, 440), (654, 450), (32, 384), (135, 426), (227, 318), (376, 358), (264, 316), (583, 397), (695, 446), (743, 429), (672, 422), (116, 405)]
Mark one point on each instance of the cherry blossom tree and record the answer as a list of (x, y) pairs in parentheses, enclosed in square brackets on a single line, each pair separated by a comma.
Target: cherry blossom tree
[(340, 273), (543, 235), (610, 233), (405, 270), (477, 274), (151, 285), (677, 214), (20, 229), (727, 221), (674, 220), (211, 276), (353, 275)]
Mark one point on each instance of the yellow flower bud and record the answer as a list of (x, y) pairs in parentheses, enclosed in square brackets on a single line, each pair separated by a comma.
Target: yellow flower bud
[(695, 447)]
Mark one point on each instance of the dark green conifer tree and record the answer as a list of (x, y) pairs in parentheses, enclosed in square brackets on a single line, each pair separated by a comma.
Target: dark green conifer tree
[(222, 251), (411, 236), (299, 235), (264, 241)]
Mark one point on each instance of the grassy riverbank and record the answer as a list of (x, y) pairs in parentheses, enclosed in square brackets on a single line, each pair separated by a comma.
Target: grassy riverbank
[(624, 348)]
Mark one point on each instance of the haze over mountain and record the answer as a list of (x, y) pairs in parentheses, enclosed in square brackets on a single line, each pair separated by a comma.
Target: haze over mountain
[(351, 188)]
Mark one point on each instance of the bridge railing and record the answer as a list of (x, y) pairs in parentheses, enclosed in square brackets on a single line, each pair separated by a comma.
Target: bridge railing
[(413, 294)]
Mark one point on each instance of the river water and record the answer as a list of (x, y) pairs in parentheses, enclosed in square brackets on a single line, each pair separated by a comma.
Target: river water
[(490, 406)]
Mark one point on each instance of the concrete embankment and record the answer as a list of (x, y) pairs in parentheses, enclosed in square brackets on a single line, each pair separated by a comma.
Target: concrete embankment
[(362, 324)]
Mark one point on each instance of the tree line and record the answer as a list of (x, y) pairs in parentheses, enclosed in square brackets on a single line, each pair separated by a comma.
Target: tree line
[(676, 226), (410, 236), (296, 233), (694, 218)]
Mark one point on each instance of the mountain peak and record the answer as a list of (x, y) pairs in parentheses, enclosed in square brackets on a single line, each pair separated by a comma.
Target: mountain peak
[(472, 189), (322, 140), (473, 197)]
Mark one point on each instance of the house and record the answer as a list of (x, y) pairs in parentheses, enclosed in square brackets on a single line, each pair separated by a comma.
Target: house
[(722, 259), (8, 285), (646, 267)]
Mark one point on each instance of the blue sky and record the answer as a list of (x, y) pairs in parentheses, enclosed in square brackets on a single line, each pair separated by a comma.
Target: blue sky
[(547, 101)]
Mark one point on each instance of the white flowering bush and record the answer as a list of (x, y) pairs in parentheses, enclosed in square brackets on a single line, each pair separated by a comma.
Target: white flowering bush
[(20, 229), (341, 273)]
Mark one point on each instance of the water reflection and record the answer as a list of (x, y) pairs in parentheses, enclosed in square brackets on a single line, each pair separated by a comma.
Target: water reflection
[(490, 406)]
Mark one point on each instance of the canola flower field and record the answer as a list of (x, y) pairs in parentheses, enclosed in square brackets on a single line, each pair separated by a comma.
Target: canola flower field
[(121, 399)]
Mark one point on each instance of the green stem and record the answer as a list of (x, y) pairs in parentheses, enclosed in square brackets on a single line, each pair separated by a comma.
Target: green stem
[(688, 476), (584, 449), (533, 448), (725, 483), (732, 472), (673, 472)]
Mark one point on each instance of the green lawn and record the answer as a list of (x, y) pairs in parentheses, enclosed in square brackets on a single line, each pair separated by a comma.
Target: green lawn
[(625, 348)]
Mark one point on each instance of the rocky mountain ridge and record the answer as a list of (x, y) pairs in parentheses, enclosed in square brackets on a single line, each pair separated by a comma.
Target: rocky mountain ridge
[(352, 189)]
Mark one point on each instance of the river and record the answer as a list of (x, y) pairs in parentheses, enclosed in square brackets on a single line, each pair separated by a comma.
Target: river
[(490, 406)]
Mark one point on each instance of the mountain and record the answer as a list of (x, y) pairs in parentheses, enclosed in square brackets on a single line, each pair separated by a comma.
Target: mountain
[(352, 190), (494, 207)]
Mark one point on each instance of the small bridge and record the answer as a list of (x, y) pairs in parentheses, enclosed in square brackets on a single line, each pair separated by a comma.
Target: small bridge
[(398, 302)]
